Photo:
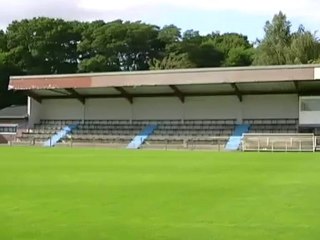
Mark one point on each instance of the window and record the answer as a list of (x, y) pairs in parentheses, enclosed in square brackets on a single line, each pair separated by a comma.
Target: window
[(8, 128), (312, 105)]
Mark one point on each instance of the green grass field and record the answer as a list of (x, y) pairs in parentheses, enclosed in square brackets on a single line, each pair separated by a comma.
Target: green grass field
[(117, 194)]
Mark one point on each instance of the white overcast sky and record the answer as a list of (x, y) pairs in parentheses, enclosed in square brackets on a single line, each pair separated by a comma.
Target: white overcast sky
[(245, 16)]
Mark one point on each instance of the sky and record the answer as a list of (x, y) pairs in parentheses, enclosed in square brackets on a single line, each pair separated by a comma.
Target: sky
[(246, 16)]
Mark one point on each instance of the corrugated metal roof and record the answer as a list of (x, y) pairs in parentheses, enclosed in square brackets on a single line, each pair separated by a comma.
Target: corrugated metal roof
[(14, 112), (190, 70), (168, 77)]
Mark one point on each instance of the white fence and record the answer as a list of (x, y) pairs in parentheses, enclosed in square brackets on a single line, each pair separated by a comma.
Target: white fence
[(299, 142), (191, 143)]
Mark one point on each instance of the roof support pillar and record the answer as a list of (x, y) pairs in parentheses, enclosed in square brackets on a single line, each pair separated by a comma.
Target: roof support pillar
[(76, 95), (125, 94), (34, 96), (178, 93), (237, 91), (296, 86)]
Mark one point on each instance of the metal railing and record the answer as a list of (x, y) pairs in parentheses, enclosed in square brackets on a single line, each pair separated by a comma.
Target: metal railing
[(279, 142)]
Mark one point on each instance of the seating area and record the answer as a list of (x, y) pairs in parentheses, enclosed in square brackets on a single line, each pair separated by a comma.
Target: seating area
[(195, 128), (174, 132), (43, 131), (121, 132), (272, 125), (107, 132), (89, 131), (206, 133)]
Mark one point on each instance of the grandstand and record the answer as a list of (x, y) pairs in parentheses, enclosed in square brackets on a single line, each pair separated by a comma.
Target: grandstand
[(10, 119), (194, 108)]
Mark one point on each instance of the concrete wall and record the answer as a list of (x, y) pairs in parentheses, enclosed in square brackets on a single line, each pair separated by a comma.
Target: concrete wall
[(157, 108), (13, 121), (34, 112), (108, 109), (3, 139), (310, 113), (218, 107), (271, 106), (310, 118), (317, 73), (62, 109)]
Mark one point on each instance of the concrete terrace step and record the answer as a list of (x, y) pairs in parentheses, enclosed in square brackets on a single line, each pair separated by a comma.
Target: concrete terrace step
[(235, 140)]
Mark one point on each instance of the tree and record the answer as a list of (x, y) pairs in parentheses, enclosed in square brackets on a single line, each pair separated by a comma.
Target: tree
[(3, 72), (236, 48), (169, 34), (125, 46), (316, 61), (213, 50), (44, 45), (84, 48), (172, 61), (7, 69), (98, 63), (281, 46), (205, 55), (304, 48), (273, 48), (191, 34), (239, 56), (200, 50), (3, 41)]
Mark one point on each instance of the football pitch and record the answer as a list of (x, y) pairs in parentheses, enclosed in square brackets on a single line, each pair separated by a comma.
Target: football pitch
[(117, 194)]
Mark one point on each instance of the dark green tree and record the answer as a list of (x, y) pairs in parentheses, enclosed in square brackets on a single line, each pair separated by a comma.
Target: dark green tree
[(236, 48), (8, 97), (44, 45), (200, 50), (172, 61), (120, 46)]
